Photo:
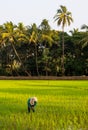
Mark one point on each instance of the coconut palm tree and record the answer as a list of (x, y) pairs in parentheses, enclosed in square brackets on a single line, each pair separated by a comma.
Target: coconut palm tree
[(33, 39), (9, 35), (84, 40), (63, 18), (46, 40), (74, 31), (84, 27)]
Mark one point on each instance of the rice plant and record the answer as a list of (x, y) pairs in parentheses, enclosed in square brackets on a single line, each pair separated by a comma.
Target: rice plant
[(62, 105)]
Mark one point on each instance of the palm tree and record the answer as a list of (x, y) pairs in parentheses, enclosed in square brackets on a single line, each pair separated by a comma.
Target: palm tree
[(74, 31), (46, 40), (84, 40), (33, 38), (9, 35), (63, 18), (84, 27)]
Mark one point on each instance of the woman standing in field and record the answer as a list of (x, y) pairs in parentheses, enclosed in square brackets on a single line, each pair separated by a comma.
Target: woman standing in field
[(32, 103)]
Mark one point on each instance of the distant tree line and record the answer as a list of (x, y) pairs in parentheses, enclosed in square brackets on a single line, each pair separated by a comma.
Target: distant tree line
[(40, 51), (37, 51)]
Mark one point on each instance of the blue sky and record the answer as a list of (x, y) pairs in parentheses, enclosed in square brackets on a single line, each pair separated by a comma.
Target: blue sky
[(34, 11)]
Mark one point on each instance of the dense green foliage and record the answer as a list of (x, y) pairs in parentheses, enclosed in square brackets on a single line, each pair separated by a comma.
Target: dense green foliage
[(32, 50), (62, 105)]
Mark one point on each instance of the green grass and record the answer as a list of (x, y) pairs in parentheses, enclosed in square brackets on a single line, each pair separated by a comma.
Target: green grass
[(62, 105)]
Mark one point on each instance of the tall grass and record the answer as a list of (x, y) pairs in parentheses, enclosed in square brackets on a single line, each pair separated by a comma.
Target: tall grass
[(62, 105)]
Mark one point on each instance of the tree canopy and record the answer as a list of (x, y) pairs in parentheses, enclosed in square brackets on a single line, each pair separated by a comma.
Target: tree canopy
[(37, 50)]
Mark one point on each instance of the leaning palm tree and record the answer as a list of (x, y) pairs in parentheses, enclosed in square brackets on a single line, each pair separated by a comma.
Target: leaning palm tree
[(9, 35), (63, 18)]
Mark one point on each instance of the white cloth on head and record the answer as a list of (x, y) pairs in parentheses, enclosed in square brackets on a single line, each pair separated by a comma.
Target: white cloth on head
[(33, 100)]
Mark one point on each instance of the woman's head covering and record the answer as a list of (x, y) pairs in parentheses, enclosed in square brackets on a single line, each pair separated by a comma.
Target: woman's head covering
[(33, 100)]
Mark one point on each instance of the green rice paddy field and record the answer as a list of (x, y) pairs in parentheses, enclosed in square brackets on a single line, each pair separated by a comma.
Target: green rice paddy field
[(62, 105)]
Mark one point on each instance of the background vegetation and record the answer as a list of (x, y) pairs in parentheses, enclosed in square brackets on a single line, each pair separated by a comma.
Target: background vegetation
[(31, 50)]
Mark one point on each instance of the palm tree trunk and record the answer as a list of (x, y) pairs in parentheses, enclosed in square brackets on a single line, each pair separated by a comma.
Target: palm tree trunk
[(36, 59), (46, 69), (19, 59), (63, 69)]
